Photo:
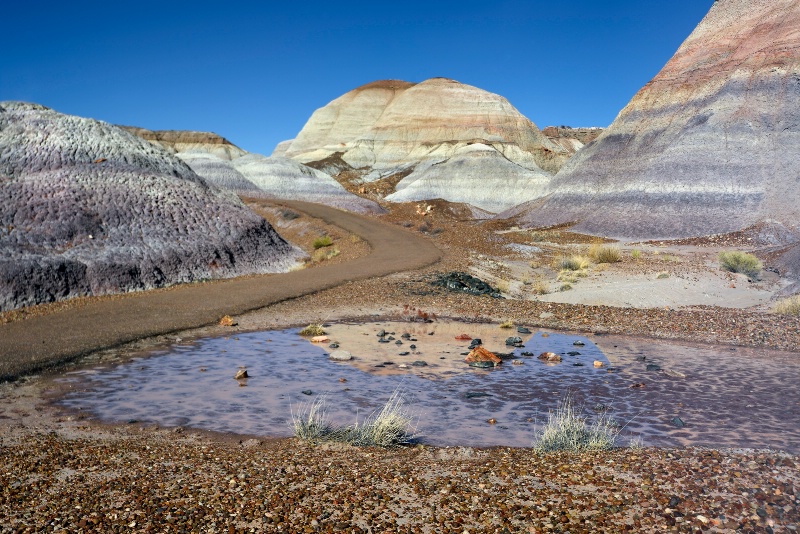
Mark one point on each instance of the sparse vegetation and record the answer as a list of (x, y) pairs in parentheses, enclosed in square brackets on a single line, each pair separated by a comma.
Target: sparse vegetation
[(662, 275), (788, 306), (572, 263), (740, 262), (567, 276), (565, 287), (507, 324), (636, 254), (503, 286), (289, 215), (567, 430), (540, 287), (323, 254), (601, 253), (322, 241), (312, 330), (389, 427)]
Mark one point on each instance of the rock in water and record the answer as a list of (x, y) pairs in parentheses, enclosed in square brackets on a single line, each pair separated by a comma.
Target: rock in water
[(710, 145), (88, 209), (390, 127), (480, 354)]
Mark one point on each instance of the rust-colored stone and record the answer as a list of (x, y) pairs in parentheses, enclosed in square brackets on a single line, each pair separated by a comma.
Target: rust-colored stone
[(480, 354)]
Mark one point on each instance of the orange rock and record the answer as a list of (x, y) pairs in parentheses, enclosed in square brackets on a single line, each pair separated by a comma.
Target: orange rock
[(550, 357), (320, 339), (598, 363), (227, 321), (463, 337), (479, 354)]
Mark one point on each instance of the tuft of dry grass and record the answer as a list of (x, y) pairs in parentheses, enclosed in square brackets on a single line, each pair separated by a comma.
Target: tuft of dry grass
[(567, 430), (507, 324), (572, 263), (540, 287), (602, 253), (788, 306)]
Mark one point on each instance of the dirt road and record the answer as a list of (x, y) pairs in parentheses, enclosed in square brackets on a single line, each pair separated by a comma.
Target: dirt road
[(45, 341)]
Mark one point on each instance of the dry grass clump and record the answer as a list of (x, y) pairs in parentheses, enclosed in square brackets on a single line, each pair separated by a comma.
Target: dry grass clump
[(507, 324), (569, 277), (572, 263), (322, 241), (788, 306), (636, 254), (322, 254), (313, 330), (389, 427), (736, 261), (601, 253), (565, 287), (540, 287), (567, 430)]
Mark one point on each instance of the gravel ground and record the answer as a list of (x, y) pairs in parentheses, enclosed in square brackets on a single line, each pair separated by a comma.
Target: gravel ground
[(151, 480), (63, 474)]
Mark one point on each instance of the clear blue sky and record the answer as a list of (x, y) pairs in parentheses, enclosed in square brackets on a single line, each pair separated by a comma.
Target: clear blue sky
[(255, 71)]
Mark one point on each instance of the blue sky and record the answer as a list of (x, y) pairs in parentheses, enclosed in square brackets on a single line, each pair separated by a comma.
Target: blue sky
[(255, 71)]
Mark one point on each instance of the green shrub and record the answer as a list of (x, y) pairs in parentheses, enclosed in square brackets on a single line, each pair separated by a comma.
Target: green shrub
[(740, 262), (567, 430), (605, 253), (636, 254), (788, 306), (323, 241)]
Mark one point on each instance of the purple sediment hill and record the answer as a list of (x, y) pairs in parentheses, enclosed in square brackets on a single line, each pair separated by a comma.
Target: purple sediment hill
[(710, 145), (88, 209)]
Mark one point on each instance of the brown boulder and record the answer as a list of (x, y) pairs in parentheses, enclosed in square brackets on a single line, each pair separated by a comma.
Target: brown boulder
[(480, 354)]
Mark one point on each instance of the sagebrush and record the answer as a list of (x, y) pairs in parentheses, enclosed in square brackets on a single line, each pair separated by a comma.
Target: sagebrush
[(737, 261), (605, 253)]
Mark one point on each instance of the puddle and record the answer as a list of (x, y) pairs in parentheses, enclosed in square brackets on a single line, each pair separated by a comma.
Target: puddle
[(726, 397)]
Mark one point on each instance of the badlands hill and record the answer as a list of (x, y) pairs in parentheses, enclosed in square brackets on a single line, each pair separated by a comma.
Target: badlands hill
[(88, 208), (422, 132), (710, 145), (229, 167)]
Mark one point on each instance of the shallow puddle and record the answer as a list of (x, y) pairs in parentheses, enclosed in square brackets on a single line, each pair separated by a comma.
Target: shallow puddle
[(723, 397)]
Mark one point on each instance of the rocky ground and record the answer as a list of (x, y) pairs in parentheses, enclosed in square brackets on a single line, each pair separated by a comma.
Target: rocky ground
[(61, 472)]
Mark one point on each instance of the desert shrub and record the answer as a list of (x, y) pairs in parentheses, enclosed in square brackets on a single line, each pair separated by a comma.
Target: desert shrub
[(572, 263), (740, 262), (565, 287), (289, 215), (322, 241), (567, 430), (507, 324), (323, 254), (313, 330), (662, 275), (605, 253), (636, 254), (540, 288), (567, 276), (788, 306), (389, 427), (503, 286)]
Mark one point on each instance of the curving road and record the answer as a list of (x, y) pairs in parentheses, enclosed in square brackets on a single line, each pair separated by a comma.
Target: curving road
[(40, 342)]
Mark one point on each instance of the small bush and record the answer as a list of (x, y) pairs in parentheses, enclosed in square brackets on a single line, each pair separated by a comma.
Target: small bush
[(788, 306), (507, 324), (322, 255), (662, 275), (540, 288), (572, 263), (567, 430), (289, 215), (740, 262), (605, 253), (636, 254), (567, 276), (313, 330), (323, 241), (565, 287)]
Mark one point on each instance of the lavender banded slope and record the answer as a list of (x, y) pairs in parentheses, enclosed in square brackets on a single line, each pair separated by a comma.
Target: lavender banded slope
[(87, 209), (710, 145)]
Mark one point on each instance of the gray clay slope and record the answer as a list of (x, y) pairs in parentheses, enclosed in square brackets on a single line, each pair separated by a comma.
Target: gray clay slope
[(710, 145), (89, 209)]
